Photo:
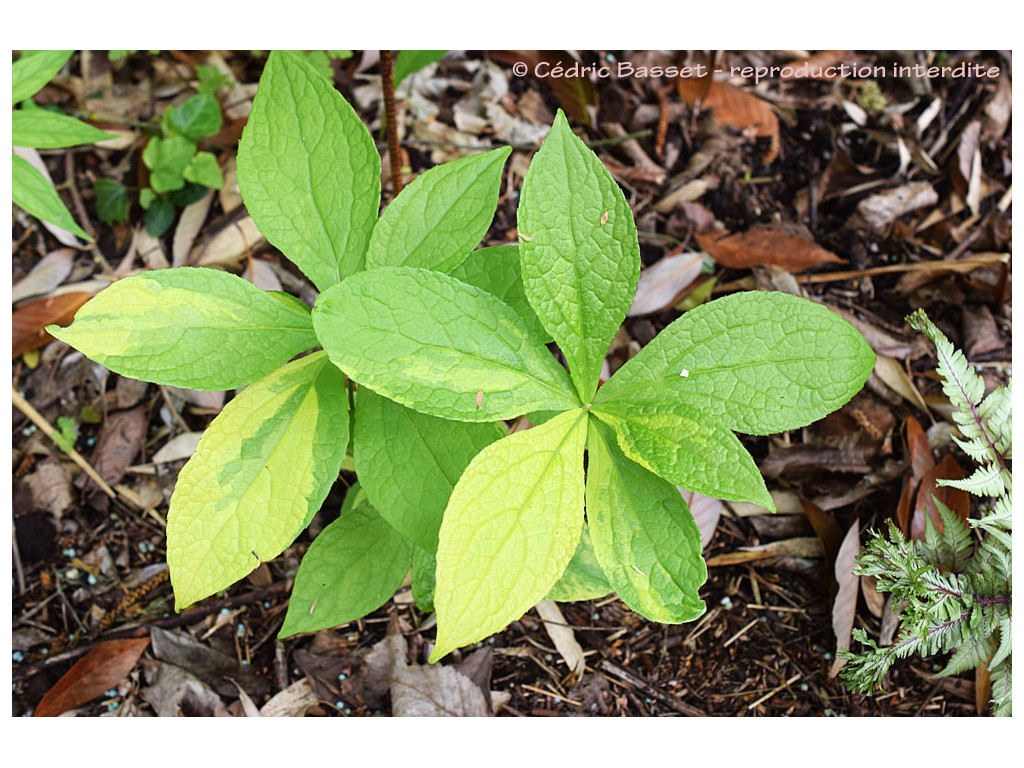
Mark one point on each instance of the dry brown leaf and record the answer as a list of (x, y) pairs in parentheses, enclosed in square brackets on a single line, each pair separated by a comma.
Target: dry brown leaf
[(981, 335), (229, 245), (189, 224), (760, 246), (829, 534), (844, 609), (101, 669), (874, 599), (918, 454), (177, 448), (928, 491), (29, 320), (662, 283), (895, 378), (815, 67), (47, 274), (564, 638), (263, 276), (293, 701), (576, 94), (736, 108), (119, 443), (877, 212), (176, 692), (803, 546), (51, 488)]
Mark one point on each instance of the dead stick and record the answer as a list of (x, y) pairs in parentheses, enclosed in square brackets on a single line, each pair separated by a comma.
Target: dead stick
[(37, 418), (387, 83)]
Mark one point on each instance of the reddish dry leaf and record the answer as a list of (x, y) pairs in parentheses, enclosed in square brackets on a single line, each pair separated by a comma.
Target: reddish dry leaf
[(29, 320), (662, 283), (119, 443), (981, 335), (844, 609), (733, 107), (829, 533), (761, 246), (982, 687), (101, 669), (957, 500), (919, 457)]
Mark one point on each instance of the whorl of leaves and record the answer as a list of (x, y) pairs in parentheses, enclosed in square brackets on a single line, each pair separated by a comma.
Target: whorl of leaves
[(954, 593)]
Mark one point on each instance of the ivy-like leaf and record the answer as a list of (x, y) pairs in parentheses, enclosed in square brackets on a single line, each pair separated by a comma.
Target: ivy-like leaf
[(441, 216), (352, 568), (43, 129), (408, 62), (203, 169), (579, 250), (309, 171), (409, 462), (194, 118), (680, 444), (584, 578), (111, 200), (512, 525), (32, 192), (260, 473), (755, 362), (34, 70), (189, 327), (167, 160), (438, 345), (644, 536), (496, 270)]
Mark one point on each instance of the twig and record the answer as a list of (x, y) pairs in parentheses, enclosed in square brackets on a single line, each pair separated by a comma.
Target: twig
[(387, 83), (37, 418), (16, 554), (76, 198), (670, 701)]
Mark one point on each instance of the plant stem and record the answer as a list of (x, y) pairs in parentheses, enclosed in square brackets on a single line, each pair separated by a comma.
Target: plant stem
[(387, 82)]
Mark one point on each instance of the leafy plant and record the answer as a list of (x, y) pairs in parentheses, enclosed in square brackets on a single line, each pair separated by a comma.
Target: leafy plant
[(446, 342), (33, 126), (954, 593), (179, 173)]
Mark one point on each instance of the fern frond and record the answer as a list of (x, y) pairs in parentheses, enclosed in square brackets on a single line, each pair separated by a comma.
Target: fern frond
[(1002, 690), (986, 480)]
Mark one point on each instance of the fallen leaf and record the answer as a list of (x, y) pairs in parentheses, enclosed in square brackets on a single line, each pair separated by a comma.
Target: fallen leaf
[(29, 320), (760, 246), (103, 668), (212, 401), (176, 692), (429, 690), (219, 670), (874, 599), (662, 283), (293, 701), (877, 212), (177, 448), (829, 534), (890, 371), (229, 245), (119, 443), (706, 513), (803, 546), (51, 487), (928, 491), (576, 94), (981, 334), (844, 608), (47, 274), (918, 454), (189, 224), (263, 276), (739, 109), (564, 638)]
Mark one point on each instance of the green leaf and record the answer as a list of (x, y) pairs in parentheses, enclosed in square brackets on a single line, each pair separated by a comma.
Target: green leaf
[(496, 270), (34, 70), (48, 130), (409, 462), (584, 578), (644, 536), (33, 193), (67, 435), (260, 473), (438, 346), (167, 160), (159, 216), (188, 327), (111, 200), (441, 216), (408, 62), (679, 443), (211, 79), (424, 567), (203, 169), (309, 171), (755, 362), (579, 250), (511, 528), (194, 118), (352, 568)]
